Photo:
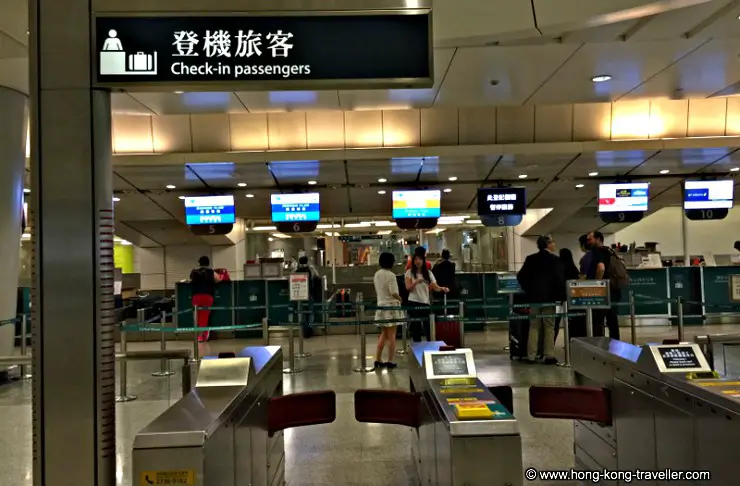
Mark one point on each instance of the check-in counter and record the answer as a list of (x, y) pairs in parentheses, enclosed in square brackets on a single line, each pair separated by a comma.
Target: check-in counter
[(218, 434), (669, 412), (465, 435)]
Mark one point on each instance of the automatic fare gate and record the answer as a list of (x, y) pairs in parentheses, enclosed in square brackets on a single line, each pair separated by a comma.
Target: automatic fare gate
[(462, 435), (657, 409), (228, 430)]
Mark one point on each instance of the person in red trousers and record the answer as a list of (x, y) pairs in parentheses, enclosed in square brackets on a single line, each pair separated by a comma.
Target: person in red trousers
[(204, 281)]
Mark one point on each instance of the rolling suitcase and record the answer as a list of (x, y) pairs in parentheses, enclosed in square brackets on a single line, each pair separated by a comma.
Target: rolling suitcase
[(518, 330), (448, 331)]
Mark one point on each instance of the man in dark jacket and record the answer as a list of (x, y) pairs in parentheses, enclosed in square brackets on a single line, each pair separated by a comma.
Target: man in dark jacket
[(543, 282), (444, 272)]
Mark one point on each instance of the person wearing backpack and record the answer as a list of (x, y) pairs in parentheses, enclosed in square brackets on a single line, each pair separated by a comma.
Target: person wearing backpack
[(607, 265)]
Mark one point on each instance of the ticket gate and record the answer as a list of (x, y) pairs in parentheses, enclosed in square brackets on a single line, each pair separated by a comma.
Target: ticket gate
[(656, 408), (465, 436), (228, 431)]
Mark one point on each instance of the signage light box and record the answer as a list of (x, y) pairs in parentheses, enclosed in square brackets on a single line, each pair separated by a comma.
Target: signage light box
[(623, 197), (708, 194), (417, 204), (380, 49), (295, 208), (502, 201), (209, 210)]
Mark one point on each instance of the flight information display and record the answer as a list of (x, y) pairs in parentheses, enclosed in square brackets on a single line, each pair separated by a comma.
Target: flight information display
[(209, 210), (417, 204), (294, 208), (450, 364), (623, 197), (708, 194), (497, 201)]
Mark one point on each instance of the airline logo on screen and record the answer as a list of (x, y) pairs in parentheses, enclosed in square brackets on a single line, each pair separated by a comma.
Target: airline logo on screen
[(623, 199), (697, 194)]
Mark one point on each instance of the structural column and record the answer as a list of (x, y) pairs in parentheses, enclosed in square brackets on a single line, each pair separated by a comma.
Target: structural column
[(73, 345), (14, 124)]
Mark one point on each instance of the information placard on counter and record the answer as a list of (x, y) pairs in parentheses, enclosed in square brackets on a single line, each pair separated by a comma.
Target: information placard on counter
[(298, 287), (588, 294)]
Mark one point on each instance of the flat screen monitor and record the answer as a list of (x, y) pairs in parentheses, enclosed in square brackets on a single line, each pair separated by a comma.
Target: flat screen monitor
[(294, 208), (623, 197), (708, 194), (452, 364), (209, 210), (417, 204), (684, 358), (498, 201)]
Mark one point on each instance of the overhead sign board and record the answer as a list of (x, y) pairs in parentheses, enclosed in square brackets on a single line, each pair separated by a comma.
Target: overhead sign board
[(323, 49), (499, 201), (588, 294)]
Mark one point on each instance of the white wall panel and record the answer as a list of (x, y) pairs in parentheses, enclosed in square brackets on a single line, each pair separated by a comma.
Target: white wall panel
[(592, 121), (210, 133), (553, 123), (287, 131), (401, 128), (181, 260), (707, 117), (248, 132), (132, 133), (363, 129), (733, 116), (631, 120), (439, 126), (324, 129), (477, 126), (669, 118), (149, 262), (515, 124), (172, 133)]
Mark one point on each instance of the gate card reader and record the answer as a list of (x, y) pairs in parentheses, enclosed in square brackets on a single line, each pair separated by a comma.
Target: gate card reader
[(456, 366), (679, 358)]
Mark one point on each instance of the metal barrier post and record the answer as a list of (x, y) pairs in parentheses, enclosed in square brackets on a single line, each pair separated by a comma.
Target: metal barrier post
[(565, 322), (589, 322), (432, 327), (265, 331), (633, 319), (291, 369), (196, 349), (123, 395), (24, 346), (363, 368), (462, 324), (680, 319), (301, 316), (164, 364), (404, 337)]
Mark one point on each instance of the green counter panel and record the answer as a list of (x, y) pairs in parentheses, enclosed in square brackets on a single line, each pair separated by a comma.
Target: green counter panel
[(647, 284), (249, 294), (278, 300), (716, 284), (470, 286), (492, 297), (686, 283), (223, 298)]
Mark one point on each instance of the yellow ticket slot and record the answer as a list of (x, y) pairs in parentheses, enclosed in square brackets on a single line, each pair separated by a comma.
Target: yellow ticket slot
[(703, 375), (458, 381), (473, 411), (461, 399)]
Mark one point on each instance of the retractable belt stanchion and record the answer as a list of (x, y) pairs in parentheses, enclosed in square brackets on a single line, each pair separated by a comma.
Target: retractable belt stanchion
[(196, 349), (565, 322), (360, 313), (164, 364), (680, 319), (291, 369), (123, 395), (404, 336), (633, 319), (24, 346), (265, 331), (432, 326), (301, 316), (462, 323), (589, 322)]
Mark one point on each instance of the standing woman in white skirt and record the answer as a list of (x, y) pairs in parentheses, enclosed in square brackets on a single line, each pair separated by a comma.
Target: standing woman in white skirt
[(386, 289)]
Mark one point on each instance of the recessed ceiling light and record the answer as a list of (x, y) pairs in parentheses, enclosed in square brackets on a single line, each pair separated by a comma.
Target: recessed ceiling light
[(26, 190), (242, 184), (448, 190), (381, 192), (452, 179), (311, 183), (116, 199), (381, 180), (522, 176), (601, 78), (170, 186), (593, 174), (250, 195), (664, 171), (579, 186), (181, 197), (179, 92), (270, 238), (735, 169)]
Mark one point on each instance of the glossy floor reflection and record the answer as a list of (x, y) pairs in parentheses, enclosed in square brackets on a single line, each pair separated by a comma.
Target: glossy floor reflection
[(346, 452)]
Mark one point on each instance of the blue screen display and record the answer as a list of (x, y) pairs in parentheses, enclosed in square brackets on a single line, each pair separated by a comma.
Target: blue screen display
[(417, 204), (209, 210), (290, 208)]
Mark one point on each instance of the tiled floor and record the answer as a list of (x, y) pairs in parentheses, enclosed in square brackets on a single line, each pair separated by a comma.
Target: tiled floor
[(345, 452)]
